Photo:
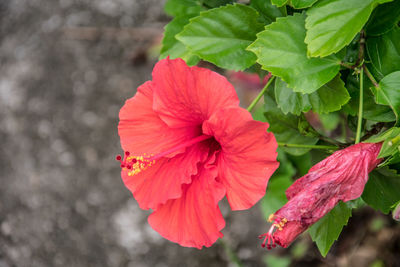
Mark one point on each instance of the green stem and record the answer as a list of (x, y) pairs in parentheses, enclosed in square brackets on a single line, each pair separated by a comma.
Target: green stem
[(308, 146), (369, 75), (360, 58), (360, 106), (233, 258), (346, 65), (255, 101), (394, 140)]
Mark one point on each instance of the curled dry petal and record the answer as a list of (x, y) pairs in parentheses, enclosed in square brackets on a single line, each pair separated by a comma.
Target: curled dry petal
[(340, 177)]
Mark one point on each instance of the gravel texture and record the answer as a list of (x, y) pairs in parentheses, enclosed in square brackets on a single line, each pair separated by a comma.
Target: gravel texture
[(66, 68)]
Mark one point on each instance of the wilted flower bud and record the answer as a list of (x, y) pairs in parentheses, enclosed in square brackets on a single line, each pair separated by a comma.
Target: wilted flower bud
[(340, 177)]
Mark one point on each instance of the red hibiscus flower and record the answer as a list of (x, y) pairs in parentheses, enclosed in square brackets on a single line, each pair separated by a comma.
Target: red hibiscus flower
[(188, 144), (396, 213), (340, 177)]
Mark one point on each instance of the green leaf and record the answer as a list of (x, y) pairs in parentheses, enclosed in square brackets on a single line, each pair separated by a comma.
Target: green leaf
[(289, 101), (280, 49), (382, 189), (330, 97), (217, 3), (391, 142), (352, 50), (275, 197), (221, 35), (285, 128), (332, 24), (372, 111), (174, 48), (330, 121), (267, 10), (327, 230), (384, 53), (356, 203), (276, 261), (302, 3), (279, 3), (388, 92), (383, 18), (301, 163), (258, 114), (182, 7), (318, 155), (391, 160), (388, 134), (390, 146)]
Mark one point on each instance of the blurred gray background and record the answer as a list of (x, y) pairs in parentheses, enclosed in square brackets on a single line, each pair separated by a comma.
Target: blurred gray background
[(66, 68)]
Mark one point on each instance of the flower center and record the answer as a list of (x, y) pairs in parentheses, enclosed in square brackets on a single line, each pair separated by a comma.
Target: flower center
[(278, 223), (137, 164)]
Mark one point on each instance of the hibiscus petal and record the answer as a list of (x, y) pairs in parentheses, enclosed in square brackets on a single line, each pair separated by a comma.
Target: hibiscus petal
[(248, 155), (340, 177), (185, 96), (163, 180), (289, 233), (348, 166), (141, 129), (194, 220)]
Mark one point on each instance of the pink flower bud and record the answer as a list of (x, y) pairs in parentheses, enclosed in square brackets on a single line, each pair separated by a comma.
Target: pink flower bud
[(340, 177)]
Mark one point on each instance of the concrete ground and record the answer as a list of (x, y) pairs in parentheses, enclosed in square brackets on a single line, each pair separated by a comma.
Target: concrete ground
[(66, 68)]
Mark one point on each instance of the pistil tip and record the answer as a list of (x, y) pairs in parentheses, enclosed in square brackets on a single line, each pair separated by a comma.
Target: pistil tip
[(134, 164)]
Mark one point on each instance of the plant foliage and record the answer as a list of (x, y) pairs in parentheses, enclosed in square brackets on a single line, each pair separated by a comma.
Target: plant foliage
[(336, 65)]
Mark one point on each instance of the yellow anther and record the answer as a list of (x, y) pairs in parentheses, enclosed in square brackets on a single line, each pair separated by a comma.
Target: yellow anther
[(271, 217), (137, 164)]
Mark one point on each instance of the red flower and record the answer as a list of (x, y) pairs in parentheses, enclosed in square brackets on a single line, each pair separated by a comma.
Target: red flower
[(188, 144), (396, 212), (340, 177)]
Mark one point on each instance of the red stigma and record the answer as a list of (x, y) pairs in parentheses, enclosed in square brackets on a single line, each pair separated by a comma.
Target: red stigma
[(134, 164), (269, 241)]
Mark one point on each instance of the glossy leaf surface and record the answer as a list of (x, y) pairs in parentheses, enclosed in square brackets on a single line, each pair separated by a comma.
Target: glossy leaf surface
[(221, 35), (280, 49)]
